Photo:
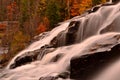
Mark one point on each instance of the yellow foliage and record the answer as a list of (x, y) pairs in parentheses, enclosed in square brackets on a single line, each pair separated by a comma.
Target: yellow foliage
[(103, 1), (19, 42), (41, 28), (84, 5), (20, 37)]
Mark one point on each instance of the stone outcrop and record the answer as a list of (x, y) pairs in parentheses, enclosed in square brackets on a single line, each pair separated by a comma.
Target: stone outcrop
[(29, 57), (88, 65), (115, 1), (64, 75)]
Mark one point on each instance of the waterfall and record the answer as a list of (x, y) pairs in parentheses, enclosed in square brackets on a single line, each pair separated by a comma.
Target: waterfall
[(110, 73), (48, 58), (110, 1)]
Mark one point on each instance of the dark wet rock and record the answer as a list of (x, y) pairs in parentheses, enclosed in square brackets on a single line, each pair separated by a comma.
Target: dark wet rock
[(31, 56), (72, 31), (64, 75), (25, 58), (1, 66), (94, 9), (88, 65), (12, 66), (56, 58), (115, 1), (21, 61), (59, 40), (46, 46), (54, 42), (66, 37), (48, 78), (44, 50)]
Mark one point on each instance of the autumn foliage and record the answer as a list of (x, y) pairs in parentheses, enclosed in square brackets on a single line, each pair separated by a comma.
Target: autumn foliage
[(74, 11), (11, 10), (84, 5), (3, 26), (34, 17), (41, 28)]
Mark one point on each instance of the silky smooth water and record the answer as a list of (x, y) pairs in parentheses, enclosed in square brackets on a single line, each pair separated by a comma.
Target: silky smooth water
[(95, 31)]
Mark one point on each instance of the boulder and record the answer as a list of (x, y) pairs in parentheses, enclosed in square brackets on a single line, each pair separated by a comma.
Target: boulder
[(48, 78), (64, 75), (29, 57), (84, 67), (72, 31), (115, 1), (25, 58)]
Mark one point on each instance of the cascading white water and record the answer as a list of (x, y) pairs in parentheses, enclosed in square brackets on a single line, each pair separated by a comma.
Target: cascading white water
[(95, 31), (42, 68), (44, 41), (110, 73), (110, 1)]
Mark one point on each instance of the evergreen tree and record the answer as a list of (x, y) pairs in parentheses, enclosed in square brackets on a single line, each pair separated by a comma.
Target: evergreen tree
[(95, 2), (53, 12)]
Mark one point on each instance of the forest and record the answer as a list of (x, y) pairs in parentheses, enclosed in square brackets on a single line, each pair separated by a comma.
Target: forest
[(21, 20)]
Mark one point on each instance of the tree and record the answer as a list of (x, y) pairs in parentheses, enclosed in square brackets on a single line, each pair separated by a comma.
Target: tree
[(74, 11), (84, 5), (95, 2), (53, 12), (19, 42), (12, 11)]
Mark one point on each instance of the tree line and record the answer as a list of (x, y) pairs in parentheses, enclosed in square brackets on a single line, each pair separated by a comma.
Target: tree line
[(37, 16)]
